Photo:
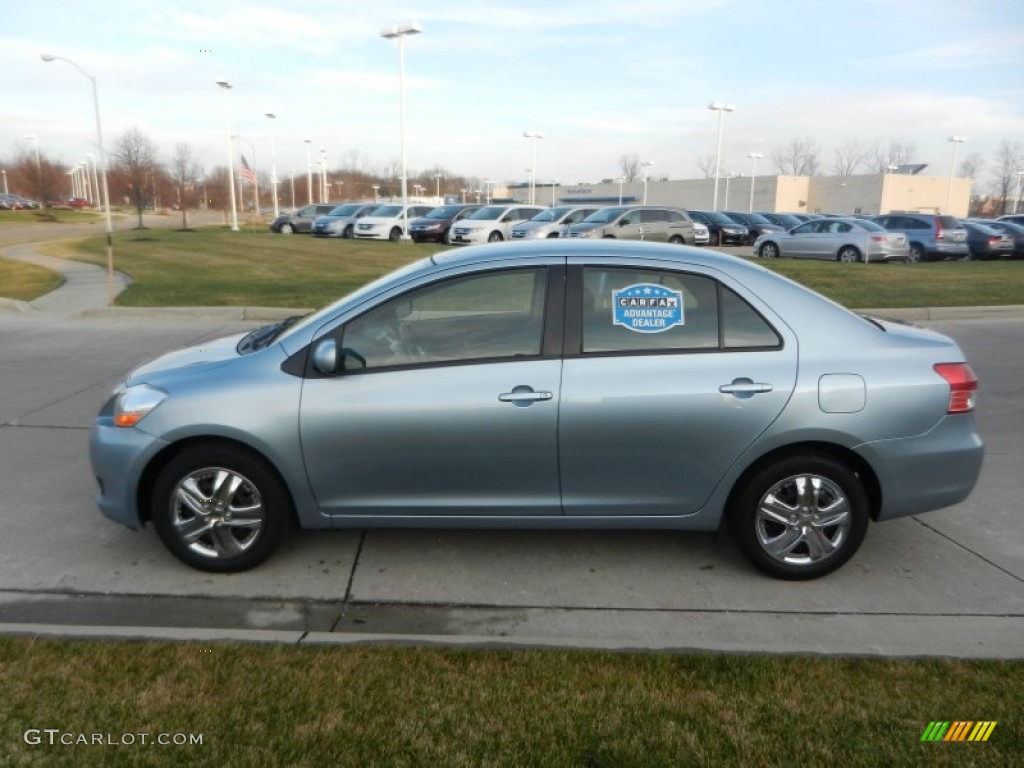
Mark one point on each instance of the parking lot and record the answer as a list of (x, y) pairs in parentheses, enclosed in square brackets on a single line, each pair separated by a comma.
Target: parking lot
[(946, 583)]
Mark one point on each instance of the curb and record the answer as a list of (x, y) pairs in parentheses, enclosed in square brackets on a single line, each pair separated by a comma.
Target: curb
[(14, 305)]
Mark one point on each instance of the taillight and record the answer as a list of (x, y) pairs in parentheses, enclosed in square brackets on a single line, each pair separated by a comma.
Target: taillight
[(879, 238), (938, 229), (993, 241), (962, 386)]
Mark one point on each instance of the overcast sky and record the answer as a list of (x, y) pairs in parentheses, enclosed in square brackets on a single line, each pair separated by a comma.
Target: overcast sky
[(599, 78)]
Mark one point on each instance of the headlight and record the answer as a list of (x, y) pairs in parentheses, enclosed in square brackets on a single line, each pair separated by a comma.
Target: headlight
[(133, 403)]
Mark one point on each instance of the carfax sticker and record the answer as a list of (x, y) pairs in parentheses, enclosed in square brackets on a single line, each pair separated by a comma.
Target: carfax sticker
[(647, 308)]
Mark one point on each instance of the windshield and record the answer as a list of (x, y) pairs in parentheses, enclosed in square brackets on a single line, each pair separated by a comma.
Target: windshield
[(870, 226), (604, 216), (754, 218), (345, 210), (444, 212), (551, 214), (388, 211), (489, 213)]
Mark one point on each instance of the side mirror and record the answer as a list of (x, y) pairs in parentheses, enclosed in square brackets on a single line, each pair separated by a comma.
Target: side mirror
[(329, 360)]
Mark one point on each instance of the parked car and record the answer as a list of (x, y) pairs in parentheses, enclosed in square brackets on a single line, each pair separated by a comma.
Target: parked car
[(550, 384), (388, 221), (300, 220), (986, 243), (436, 226), (1013, 218), (551, 222), (492, 223), (653, 223), (785, 220), (846, 240), (930, 236), (756, 224), (701, 234), (722, 229), (341, 220), (1014, 231)]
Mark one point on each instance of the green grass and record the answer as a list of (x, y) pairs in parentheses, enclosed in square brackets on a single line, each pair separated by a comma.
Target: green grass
[(361, 706), (26, 282), (254, 267), (51, 216)]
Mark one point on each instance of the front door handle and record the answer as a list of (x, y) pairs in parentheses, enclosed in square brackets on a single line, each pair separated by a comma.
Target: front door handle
[(744, 388), (523, 395)]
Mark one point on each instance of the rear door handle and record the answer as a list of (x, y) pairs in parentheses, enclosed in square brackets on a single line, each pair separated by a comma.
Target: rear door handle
[(744, 388), (523, 395)]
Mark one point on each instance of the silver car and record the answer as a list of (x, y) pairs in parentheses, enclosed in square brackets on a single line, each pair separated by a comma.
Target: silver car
[(551, 223), (835, 239), (549, 384), (341, 221), (652, 223)]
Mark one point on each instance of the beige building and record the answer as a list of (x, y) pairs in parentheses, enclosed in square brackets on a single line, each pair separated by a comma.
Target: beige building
[(872, 193)]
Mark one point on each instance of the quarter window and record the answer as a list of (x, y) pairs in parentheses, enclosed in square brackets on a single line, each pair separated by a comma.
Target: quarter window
[(487, 316)]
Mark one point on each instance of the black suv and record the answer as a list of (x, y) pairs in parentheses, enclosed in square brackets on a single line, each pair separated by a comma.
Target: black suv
[(929, 235), (302, 219)]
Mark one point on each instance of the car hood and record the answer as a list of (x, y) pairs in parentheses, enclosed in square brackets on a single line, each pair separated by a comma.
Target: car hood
[(214, 352)]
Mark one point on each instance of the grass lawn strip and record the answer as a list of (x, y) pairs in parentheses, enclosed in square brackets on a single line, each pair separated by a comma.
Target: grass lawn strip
[(362, 706), (216, 267), (26, 282)]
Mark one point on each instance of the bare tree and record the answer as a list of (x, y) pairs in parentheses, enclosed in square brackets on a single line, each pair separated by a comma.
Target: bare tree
[(629, 167), (37, 176), (706, 165), (135, 156), (881, 157), (798, 158), (1008, 161), (971, 166), (848, 158), (184, 171)]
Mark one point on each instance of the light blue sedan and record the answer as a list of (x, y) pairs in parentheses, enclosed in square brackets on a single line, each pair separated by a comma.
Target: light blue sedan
[(549, 384)]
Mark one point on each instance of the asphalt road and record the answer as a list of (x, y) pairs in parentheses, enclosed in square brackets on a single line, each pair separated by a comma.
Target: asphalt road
[(949, 583)]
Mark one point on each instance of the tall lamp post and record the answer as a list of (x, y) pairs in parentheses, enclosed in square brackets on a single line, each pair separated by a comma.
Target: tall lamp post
[(1020, 188), (111, 292), (273, 159), (293, 188), (721, 108), (956, 140), (647, 171), (225, 86), (754, 157), (437, 182), (323, 174), (391, 33), (4, 173), (533, 135), (309, 169)]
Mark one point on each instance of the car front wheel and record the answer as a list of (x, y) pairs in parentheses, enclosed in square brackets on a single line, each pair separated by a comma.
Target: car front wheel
[(495, 237), (800, 517), (916, 254), (848, 255), (287, 229), (220, 507), (769, 251)]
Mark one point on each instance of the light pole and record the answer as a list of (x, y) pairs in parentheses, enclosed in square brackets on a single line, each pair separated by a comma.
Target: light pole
[(487, 191), (309, 169), (1020, 188), (647, 170), (4, 173), (754, 157), (533, 136), (956, 140), (103, 161), (622, 180), (323, 174), (376, 192), (293, 188), (437, 182), (391, 33), (554, 183), (273, 159), (91, 160), (728, 177), (721, 108), (225, 86)]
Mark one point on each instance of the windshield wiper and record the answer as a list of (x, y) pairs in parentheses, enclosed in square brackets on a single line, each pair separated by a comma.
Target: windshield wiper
[(265, 336)]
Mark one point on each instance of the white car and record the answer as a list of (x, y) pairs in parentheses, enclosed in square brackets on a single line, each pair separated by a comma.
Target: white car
[(551, 222), (701, 234), (492, 223), (388, 221)]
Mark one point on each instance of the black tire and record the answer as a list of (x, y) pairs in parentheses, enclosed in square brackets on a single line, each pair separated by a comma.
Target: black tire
[(207, 532), (676, 240), (768, 250), (395, 234), (815, 533), (347, 233), (848, 255), (495, 237), (916, 254), (287, 229), (446, 238)]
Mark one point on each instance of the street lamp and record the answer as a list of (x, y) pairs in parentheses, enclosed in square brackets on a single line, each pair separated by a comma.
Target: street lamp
[(323, 174), (487, 191), (437, 182), (95, 182), (226, 88), (376, 190), (622, 180), (103, 161), (721, 108), (391, 33), (956, 140), (309, 169), (554, 183), (4, 173), (754, 157), (273, 159), (646, 166), (533, 135), (728, 177), (1020, 188)]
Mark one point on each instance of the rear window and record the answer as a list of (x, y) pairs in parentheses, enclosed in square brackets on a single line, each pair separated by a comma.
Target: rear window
[(949, 222)]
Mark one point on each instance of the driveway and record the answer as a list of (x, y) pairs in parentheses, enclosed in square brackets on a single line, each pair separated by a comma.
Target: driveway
[(949, 583)]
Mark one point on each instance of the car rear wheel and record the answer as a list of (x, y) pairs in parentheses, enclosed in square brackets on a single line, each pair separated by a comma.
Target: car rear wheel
[(220, 507), (495, 237), (446, 238), (287, 229), (848, 255), (800, 517), (916, 254), (347, 234), (395, 234), (769, 250), (676, 240)]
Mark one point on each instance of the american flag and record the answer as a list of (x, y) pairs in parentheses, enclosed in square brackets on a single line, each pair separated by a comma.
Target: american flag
[(247, 172)]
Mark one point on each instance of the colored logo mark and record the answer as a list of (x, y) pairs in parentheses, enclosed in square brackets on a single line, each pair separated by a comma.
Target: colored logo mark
[(958, 730), (647, 308)]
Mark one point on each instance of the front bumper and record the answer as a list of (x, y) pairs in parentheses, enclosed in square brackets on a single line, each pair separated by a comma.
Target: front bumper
[(118, 457)]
